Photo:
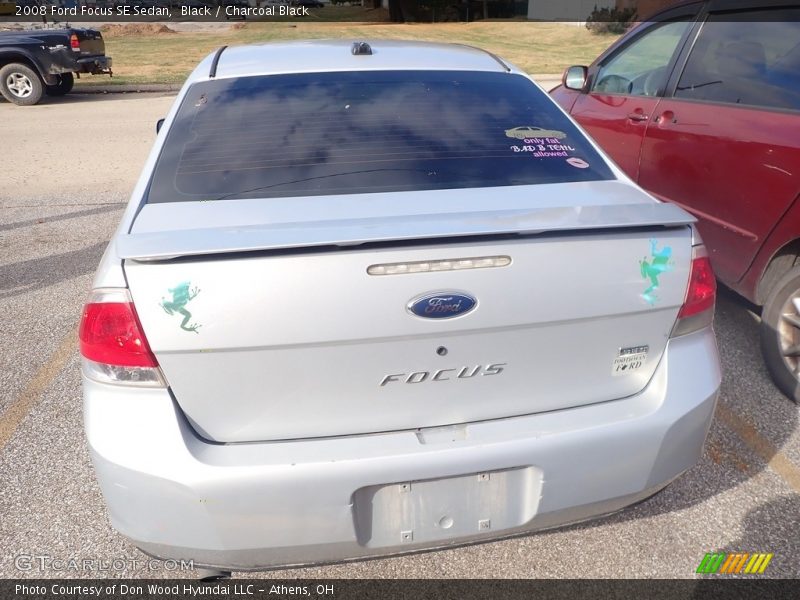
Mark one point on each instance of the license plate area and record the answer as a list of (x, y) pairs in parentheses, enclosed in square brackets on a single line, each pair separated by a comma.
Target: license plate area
[(418, 512)]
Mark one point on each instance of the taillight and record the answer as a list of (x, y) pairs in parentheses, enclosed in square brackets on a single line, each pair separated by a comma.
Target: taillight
[(74, 43), (697, 311), (112, 342)]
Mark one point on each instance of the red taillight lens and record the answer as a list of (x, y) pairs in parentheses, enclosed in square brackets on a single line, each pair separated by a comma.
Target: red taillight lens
[(110, 334), (74, 43), (702, 292)]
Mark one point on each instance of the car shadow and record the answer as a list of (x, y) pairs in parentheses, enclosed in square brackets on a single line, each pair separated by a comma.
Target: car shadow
[(70, 215), (83, 97), (29, 275), (767, 530), (79, 97)]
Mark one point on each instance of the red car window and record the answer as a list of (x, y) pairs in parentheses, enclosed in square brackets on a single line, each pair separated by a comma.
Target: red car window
[(750, 58), (640, 69)]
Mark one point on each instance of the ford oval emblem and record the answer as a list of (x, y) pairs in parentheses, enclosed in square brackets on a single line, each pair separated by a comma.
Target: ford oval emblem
[(442, 305)]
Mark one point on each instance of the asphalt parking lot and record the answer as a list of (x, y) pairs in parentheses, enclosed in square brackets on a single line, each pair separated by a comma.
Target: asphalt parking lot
[(68, 166)]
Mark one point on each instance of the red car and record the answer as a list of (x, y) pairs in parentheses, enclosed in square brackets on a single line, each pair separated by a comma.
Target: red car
[(701, 106)]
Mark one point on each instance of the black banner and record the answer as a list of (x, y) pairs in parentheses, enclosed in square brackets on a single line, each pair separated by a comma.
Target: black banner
[(411, 589), (38, 12)]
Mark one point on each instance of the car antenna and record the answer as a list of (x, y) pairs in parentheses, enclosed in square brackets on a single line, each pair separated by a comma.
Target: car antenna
[(361, 49)]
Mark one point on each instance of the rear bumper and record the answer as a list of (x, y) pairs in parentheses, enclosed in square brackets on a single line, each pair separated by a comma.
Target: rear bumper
[(95, 65), (248, 506), (64, 61)]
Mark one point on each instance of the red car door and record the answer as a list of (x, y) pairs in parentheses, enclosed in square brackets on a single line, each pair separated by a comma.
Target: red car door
[(624, 89), (726, 145)]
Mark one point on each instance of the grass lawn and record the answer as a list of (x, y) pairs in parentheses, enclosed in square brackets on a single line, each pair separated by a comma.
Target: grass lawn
[(169, 57)]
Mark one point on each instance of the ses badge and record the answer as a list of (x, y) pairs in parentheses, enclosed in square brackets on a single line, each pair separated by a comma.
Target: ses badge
[(629, 359)]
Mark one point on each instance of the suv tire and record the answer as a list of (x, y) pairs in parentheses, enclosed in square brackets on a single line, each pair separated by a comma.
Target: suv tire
[(63, 87), (780, 333), (20, 84)]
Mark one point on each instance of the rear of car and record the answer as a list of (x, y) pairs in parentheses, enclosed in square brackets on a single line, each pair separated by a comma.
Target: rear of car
[(89, 52), (357, 314)]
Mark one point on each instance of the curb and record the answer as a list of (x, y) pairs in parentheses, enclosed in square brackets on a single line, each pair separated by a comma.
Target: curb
[(126, 88)]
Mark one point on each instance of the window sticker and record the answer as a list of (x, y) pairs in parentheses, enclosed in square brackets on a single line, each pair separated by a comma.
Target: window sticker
[(660, 262), (541, 143), (578, 163), (182, 294), (529, 131)]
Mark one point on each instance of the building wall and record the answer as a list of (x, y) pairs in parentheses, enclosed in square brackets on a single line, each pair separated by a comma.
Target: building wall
[(646, 8)]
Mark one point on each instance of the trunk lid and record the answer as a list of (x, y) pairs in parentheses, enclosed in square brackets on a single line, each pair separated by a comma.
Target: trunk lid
[(261, 336)]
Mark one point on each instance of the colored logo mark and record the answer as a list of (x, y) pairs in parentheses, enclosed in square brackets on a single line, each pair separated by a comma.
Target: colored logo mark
[(660, 262), (740, 562), (182, 294)]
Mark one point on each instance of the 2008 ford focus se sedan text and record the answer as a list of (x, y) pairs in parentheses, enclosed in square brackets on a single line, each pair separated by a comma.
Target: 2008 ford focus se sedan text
[(351, 311)]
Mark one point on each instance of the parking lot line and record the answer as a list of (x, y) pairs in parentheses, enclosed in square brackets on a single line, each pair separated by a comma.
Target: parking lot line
[(774, 458), (22, 404)]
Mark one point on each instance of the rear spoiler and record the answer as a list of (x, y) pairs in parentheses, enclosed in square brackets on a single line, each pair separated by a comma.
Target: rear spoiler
[(165, 245)]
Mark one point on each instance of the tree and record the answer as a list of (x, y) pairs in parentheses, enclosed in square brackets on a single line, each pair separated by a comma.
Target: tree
[(396, 11)]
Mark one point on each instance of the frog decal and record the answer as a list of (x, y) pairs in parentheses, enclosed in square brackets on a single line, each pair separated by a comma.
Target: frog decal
[(181, 296), (660, 262)]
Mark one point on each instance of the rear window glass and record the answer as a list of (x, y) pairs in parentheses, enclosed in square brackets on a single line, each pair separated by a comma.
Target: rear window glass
[(358, 132)]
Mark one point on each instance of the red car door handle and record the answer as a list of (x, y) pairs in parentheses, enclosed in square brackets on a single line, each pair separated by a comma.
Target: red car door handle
[(637, 116)]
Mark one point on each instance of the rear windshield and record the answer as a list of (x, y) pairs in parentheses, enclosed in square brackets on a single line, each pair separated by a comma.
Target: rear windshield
[(358, 132)]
